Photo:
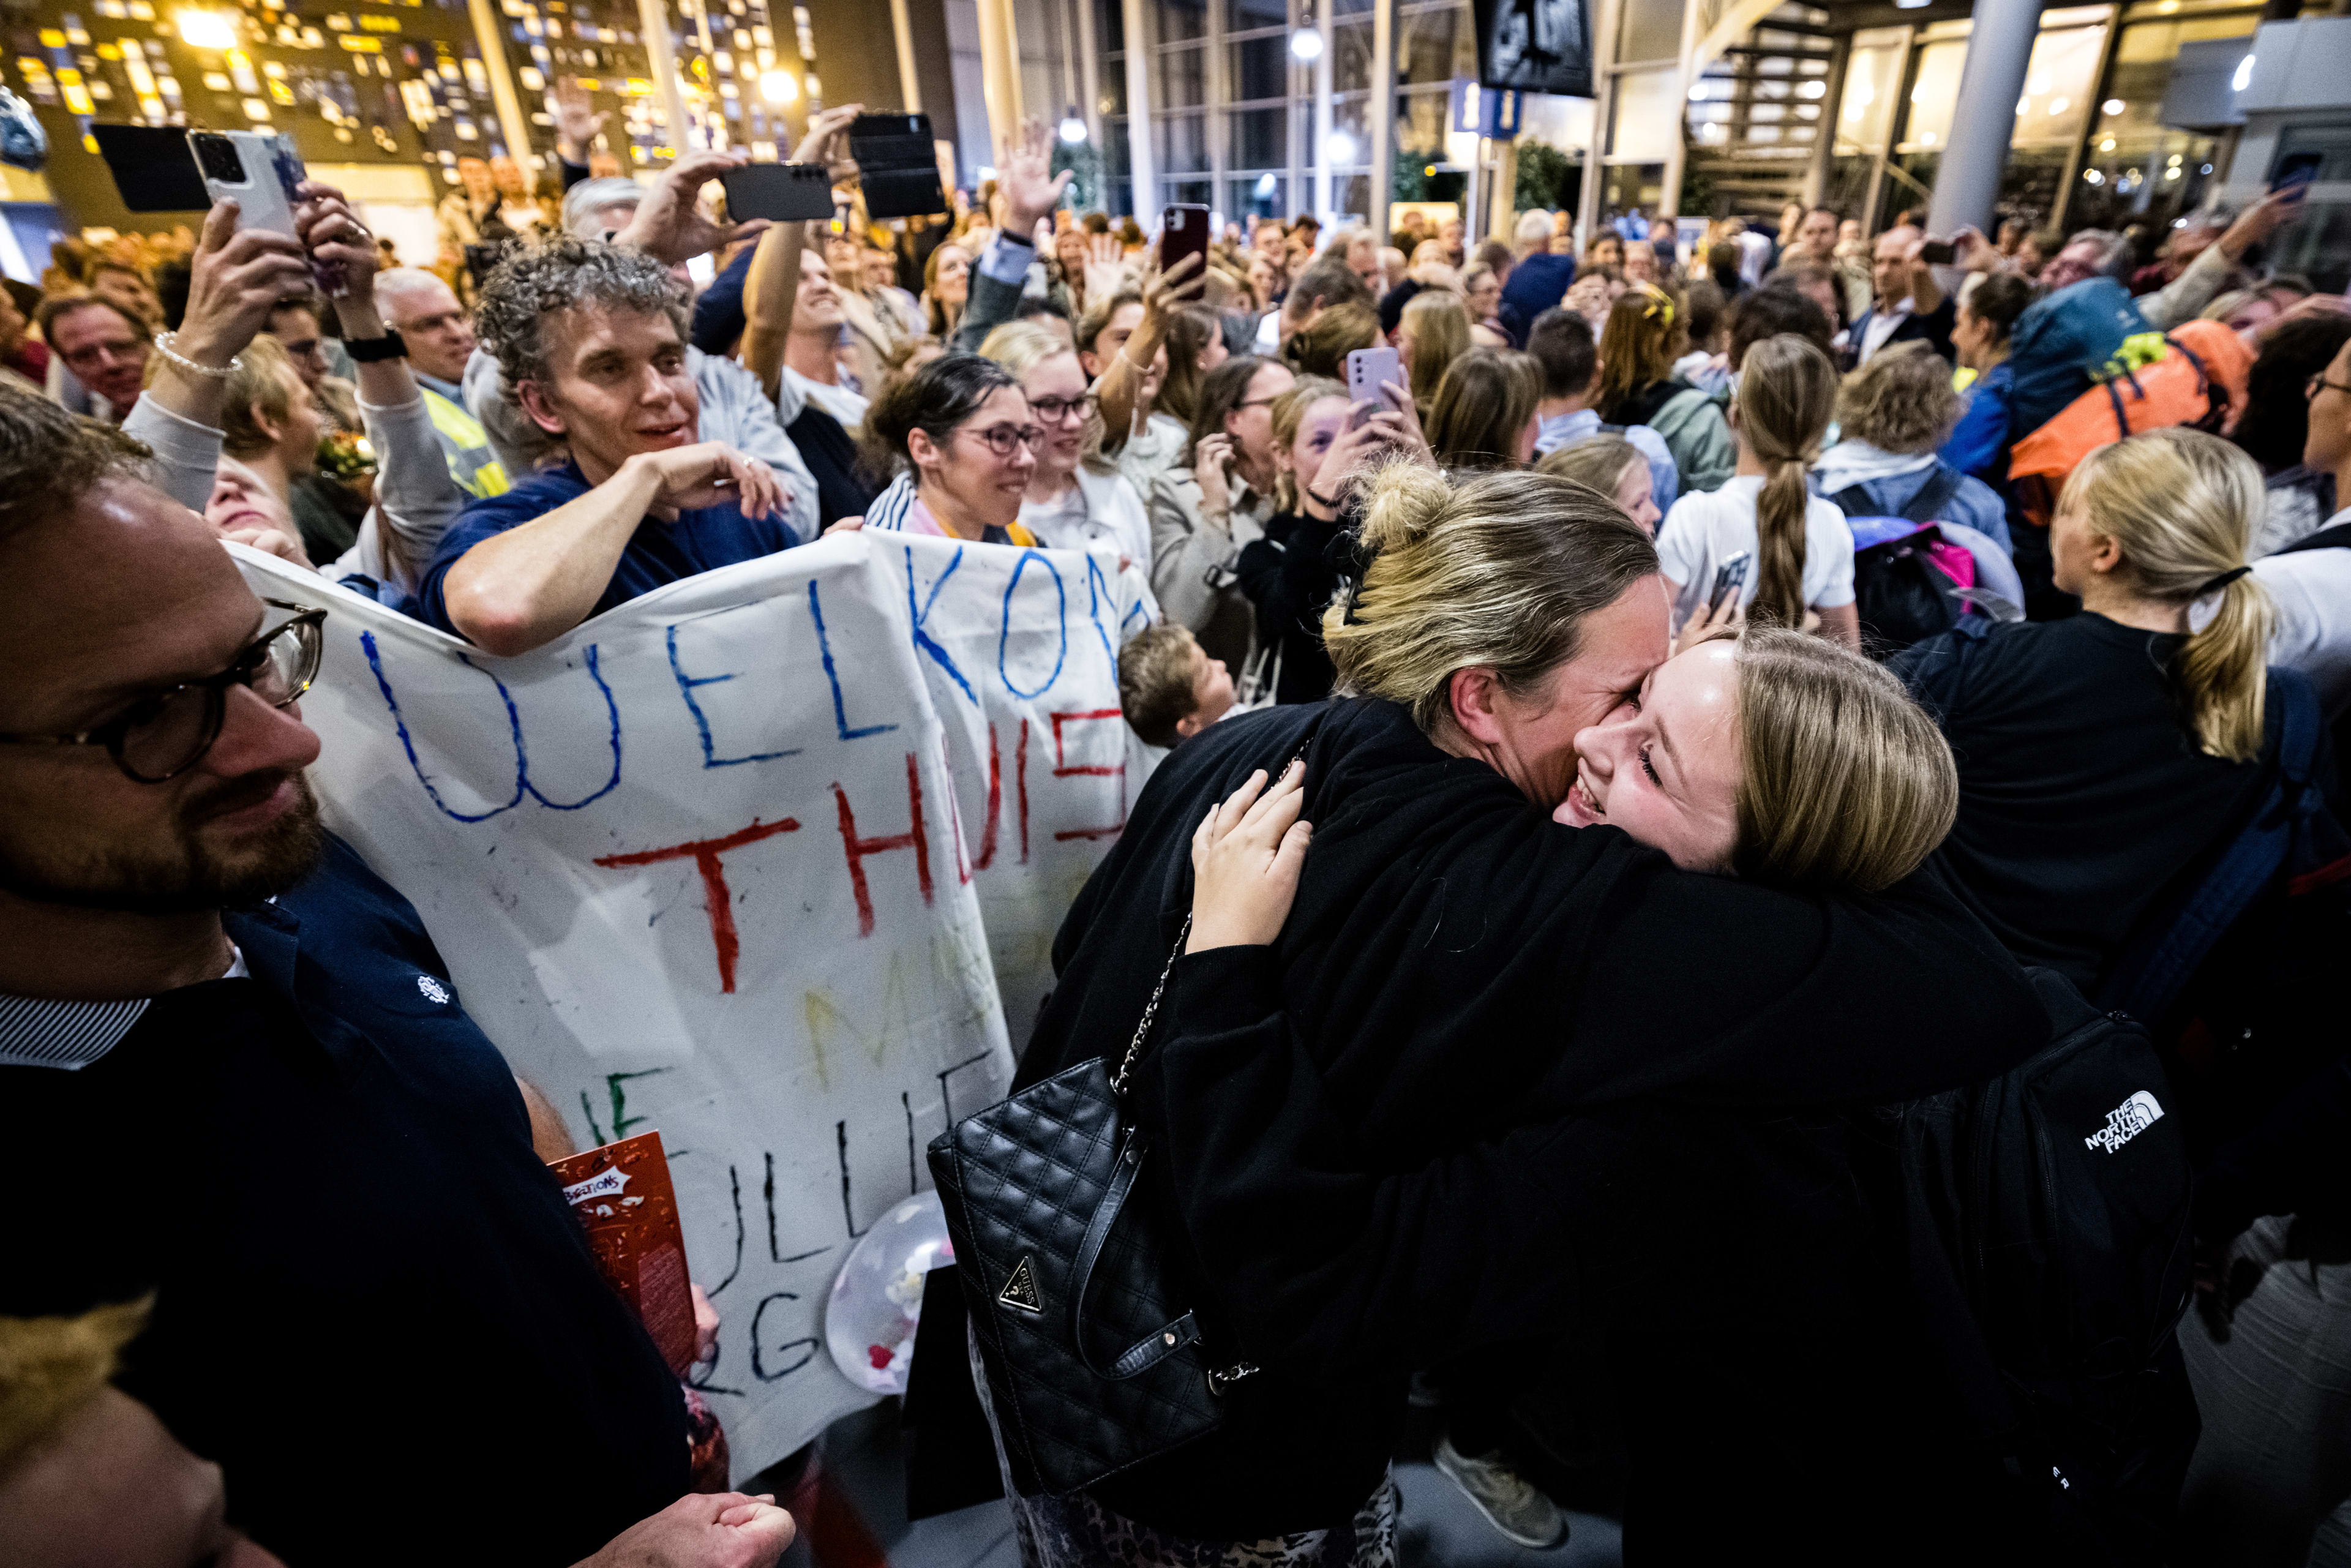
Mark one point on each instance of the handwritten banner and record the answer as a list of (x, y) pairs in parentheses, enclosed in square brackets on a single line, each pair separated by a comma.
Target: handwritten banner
[(752, 860)]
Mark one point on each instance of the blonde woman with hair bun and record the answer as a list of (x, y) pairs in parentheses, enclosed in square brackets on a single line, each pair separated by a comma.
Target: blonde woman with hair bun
[(2104, 755), (1455, 990)]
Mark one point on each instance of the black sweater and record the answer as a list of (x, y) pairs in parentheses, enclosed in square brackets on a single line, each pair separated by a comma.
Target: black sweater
[(1289, 576), (1461, 971), (2083, 794)]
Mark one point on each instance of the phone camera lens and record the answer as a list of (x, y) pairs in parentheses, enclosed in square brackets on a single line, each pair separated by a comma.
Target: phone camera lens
[(218, 156)]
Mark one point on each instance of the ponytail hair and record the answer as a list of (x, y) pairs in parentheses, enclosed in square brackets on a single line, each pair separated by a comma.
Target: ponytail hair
[(1787, 389), (2183, 505)]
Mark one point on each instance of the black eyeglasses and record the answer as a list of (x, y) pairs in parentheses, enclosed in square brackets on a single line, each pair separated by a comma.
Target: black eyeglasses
[(1004, 439), (2310, 388), (1054, 409), (168, 732)]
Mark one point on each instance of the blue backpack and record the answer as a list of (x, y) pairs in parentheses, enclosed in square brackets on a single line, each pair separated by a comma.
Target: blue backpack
[(2060, 343)]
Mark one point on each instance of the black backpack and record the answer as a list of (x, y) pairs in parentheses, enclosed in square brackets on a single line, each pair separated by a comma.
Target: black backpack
[(2047, 1229), (1900, 595)]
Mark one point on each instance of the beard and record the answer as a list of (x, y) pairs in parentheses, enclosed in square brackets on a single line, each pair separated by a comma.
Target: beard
[(182, 872)]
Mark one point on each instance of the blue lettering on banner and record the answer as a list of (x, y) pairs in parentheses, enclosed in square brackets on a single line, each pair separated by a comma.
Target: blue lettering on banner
[(923, 639), (523, 786), (1004, 632), (840, 710), (1097, 590), (686, 684)]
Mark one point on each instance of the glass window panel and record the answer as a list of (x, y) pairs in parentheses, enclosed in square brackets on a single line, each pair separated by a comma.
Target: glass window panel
[(1259, 68), (1113, 80), (1421, 123), (1351, 56), (1356, 196), (1109, 25), (2058, 85), (1648, 113), (1934, 95), (1181, 142), (1260, 196), (1652, 32), (1198, 192), (1182, 19), (1258, 142), (1181, 79), (1425, 50), (1115, 149), (1871, 79), (1240, 15)]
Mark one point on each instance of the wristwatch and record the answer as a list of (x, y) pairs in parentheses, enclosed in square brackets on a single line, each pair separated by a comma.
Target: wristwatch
[(374, 350)]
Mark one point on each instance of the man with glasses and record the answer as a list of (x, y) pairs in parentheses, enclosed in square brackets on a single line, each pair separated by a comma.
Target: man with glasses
[(2309, 580), (437, 336), (104, 344), (250, 1093), (591, 338)]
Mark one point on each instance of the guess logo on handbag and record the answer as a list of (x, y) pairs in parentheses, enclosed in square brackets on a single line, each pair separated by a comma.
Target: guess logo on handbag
[(1020, 1292)]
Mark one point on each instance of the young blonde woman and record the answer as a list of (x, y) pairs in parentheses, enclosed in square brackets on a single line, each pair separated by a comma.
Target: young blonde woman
[(1614, 466), (1799, 551), (1643, 336), (1075, 497), (1432, 332), (2102, 755), (1470, 981)]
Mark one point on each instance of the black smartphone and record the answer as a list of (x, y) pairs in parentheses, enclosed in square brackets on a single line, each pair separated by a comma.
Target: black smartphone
[(153, 170), (2296, 170), (1183, 231), (898, 165), (1938, 252), (787, 193), (1729, 579)]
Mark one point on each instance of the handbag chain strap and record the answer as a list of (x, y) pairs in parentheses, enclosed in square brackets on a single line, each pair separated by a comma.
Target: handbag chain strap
[(1150, 1012)]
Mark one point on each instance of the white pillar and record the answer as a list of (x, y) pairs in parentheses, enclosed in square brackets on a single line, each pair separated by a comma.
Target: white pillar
[(1603, 119), (661, 54), (1090, 81), (999, 69), (1326, 203), (1144, 176), (910, 86), (1967, 178), (1380, 115)]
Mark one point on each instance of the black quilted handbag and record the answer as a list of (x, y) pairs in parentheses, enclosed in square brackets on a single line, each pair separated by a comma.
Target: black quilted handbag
[(1091, 1367)]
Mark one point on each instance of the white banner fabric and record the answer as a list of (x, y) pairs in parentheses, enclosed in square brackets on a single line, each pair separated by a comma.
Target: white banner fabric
[(699, 866)]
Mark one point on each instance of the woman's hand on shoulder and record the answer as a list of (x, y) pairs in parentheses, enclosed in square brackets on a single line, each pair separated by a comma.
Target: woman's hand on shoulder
[(1245, 858)]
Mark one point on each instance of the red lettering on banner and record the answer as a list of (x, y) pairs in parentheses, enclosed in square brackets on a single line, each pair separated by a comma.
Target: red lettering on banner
[(1020, 783), (995, 802), (1062, 770), (857, 849), (954, 814), (704, 853)]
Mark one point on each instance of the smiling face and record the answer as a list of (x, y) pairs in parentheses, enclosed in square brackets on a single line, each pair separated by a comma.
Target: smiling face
[(98, 635), (1665, 766), (1485, 298), (618, 385), (965, 481), (100, 347), (818, 306), (1637, 491), (953, 283), (1060, 385)]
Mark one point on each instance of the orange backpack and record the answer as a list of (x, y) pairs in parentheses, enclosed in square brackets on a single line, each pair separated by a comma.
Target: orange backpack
[(2201, 374)]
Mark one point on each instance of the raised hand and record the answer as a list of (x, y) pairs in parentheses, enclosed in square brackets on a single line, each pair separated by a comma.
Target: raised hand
[(1209, 462), (339, 243), (1247, 855), (235, 278), (1026, 182), (576, 127), (825, 130), (670, 226)]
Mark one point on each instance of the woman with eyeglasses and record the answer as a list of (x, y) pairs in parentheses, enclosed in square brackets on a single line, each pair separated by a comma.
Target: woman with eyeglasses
[(960, 438), (1076, 496)]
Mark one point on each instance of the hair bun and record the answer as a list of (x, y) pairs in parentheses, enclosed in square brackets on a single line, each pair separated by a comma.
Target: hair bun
[(1407, 497)]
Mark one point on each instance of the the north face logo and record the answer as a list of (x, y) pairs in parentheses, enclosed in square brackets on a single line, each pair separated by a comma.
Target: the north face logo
[(2126, 1122), (1021, 1290)]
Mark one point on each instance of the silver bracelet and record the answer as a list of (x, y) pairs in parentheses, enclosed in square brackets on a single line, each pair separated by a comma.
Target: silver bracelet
[(182, 362)]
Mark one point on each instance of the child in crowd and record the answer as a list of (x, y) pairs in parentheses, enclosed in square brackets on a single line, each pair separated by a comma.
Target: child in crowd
[(1168, 687), (1798, 550)]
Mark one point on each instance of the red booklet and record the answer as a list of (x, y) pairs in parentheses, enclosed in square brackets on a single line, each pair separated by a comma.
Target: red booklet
[(622, 1193)]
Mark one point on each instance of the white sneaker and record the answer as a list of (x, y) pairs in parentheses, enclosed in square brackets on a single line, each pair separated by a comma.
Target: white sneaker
[(1514, 1505)]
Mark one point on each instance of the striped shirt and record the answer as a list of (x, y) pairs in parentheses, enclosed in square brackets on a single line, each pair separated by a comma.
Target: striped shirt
[(35, 1031)]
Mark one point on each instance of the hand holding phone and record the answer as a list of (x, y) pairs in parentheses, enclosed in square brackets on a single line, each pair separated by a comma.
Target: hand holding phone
[(784, 193), (1367, 370), (1183, 231), (1729, 579)]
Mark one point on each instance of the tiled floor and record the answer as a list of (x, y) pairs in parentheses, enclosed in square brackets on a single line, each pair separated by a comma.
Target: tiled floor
[(1440, 1528)]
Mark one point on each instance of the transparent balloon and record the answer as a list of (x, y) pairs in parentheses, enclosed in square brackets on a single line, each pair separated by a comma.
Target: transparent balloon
[(869, 1323)]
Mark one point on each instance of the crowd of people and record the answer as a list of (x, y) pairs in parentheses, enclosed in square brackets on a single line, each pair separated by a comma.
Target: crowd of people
[(1728, 546)]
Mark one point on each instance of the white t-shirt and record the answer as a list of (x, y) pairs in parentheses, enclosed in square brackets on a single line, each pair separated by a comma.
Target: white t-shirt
[(839, 402), (1706, 530)]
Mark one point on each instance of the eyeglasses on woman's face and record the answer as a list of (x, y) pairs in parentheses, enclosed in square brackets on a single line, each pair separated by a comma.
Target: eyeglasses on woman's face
[(2318, 383), (1006, 440), (1059, 410), (162, 734)]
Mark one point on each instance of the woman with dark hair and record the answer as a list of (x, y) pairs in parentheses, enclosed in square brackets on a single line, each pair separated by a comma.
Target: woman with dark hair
[(1643, 336), (1484, 413), (1196, 346), (1216, 501), (1769, 311), (958, 437), (2275, 422), (946, 288), (1978, 445)]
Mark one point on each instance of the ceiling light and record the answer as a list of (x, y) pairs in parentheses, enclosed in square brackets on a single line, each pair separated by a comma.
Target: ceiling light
[(777, 87), (1306, 44)]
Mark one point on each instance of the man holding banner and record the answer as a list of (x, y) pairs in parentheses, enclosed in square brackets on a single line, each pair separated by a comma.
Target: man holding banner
[(242, 1088), (641, 501)]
